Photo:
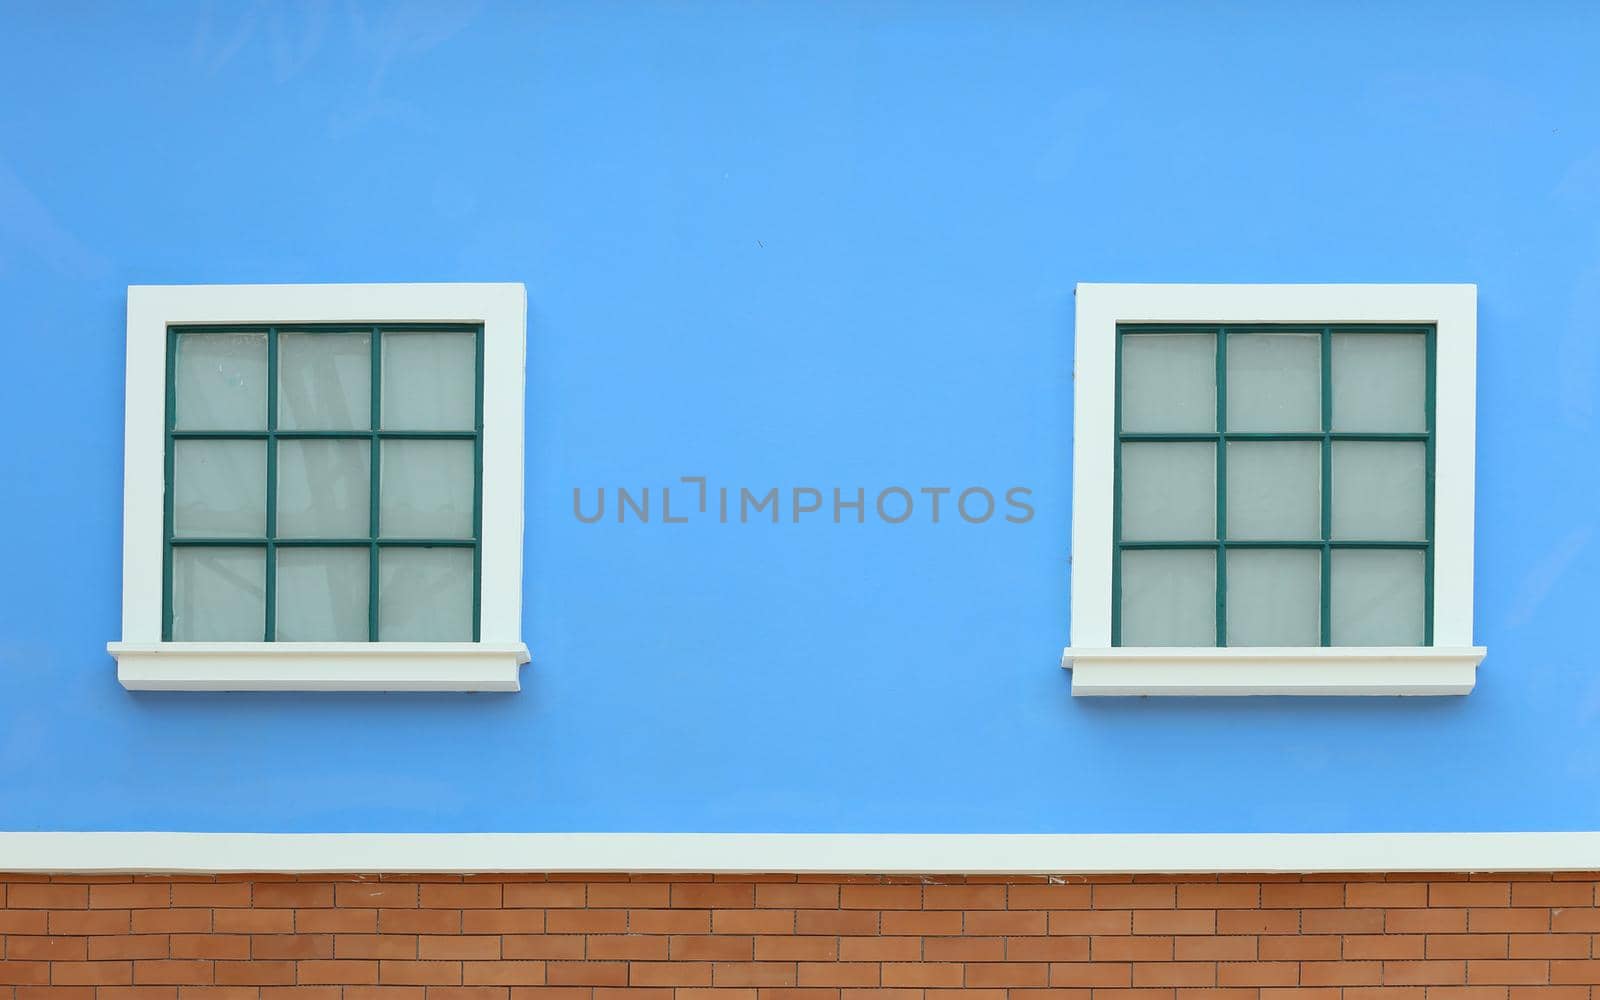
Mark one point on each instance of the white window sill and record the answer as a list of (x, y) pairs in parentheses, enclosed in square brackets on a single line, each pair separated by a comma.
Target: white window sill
[(319, 666), (1273, 670)]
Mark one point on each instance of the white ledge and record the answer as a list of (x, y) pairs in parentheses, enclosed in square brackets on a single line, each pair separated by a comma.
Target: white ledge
[(319, 666), (1273, 670), (877, 853)]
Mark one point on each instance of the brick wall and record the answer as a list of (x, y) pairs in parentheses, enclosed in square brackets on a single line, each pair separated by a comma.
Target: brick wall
[(688, 937)]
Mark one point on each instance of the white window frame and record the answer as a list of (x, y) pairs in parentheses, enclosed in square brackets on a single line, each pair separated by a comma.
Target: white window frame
[(1449, 666), (146, 663)]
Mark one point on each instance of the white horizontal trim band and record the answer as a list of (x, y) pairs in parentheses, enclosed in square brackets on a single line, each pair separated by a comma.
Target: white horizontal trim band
[(1271, 670), (319, 666), (798, 852)]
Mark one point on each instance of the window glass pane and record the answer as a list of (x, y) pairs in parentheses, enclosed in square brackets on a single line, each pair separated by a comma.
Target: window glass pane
[(426, 490), (218, 594), (324, 381), (322, 595), (1274, 490), (219, 489), (323, 489), (1169, 598), (429, 381), (1379, 490), (1275, 382), (1377, 597), (1379, 381), (1169, 491), (425, 595), (1274, 597), (221, 381), (1169, 382)]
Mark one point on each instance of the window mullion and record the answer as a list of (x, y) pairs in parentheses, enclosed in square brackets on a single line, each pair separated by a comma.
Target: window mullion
[(375, 420), (1326, 582), (1430, 404), (1116, 492), (477, 491), (1222, 486), (272, 485)]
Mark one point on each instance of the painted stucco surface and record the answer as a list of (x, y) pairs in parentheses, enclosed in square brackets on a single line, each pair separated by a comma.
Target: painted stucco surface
[(798, 246)]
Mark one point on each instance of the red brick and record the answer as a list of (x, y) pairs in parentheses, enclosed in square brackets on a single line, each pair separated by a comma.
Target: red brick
[(1300, 947), (1256, 974), (1097, 975), (1553, 894), (753, 973), (544, 946), (964, 897), (925, 974), (39, 896), (1218, 897), (460, 897), (161, 972), (223, 894), (808, 897), (453, 947), (837, 974), (938, 922), (1048, 897), (400, 972), (503, 973), (1424, 973), (712, 948), (253, 921), (844, 921), (1547, 946), (257, 973), (235, 946), (375, 895), (1134, 897), (409, 921), (90, 922), (718, 895), (1302, 896), (1565, 972), (1506, 972), (878, 949), (1064, 948), (1174, 921), (1175, 974), (966, 949), (1469, 894), (133, 896), (634, 921), (1396, 895), (880, 897), (669, 973), (1215, 948)]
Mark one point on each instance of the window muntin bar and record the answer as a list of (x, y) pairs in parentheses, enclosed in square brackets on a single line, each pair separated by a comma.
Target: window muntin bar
[(374, 542), (1221, 437)]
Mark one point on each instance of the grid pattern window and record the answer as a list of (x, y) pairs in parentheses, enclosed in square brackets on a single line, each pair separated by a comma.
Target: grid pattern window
[(323, 483), (1274, 486)]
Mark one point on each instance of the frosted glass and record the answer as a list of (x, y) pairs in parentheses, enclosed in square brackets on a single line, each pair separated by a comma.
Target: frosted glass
[(1377, 597), (219, 489), (1169, 492), (1275, 382), (1379, 490), (1379, 382), (1169, 382), (322, 595), (429, 381), (1275, 490), (324, 381), (426, 489), (1169, 598), (1274, 597), (323, 489), (220, 381), (219, 594), (425, 595)]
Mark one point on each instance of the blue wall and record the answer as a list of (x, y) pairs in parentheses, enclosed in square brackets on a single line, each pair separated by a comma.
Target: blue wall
[(788, 245)]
